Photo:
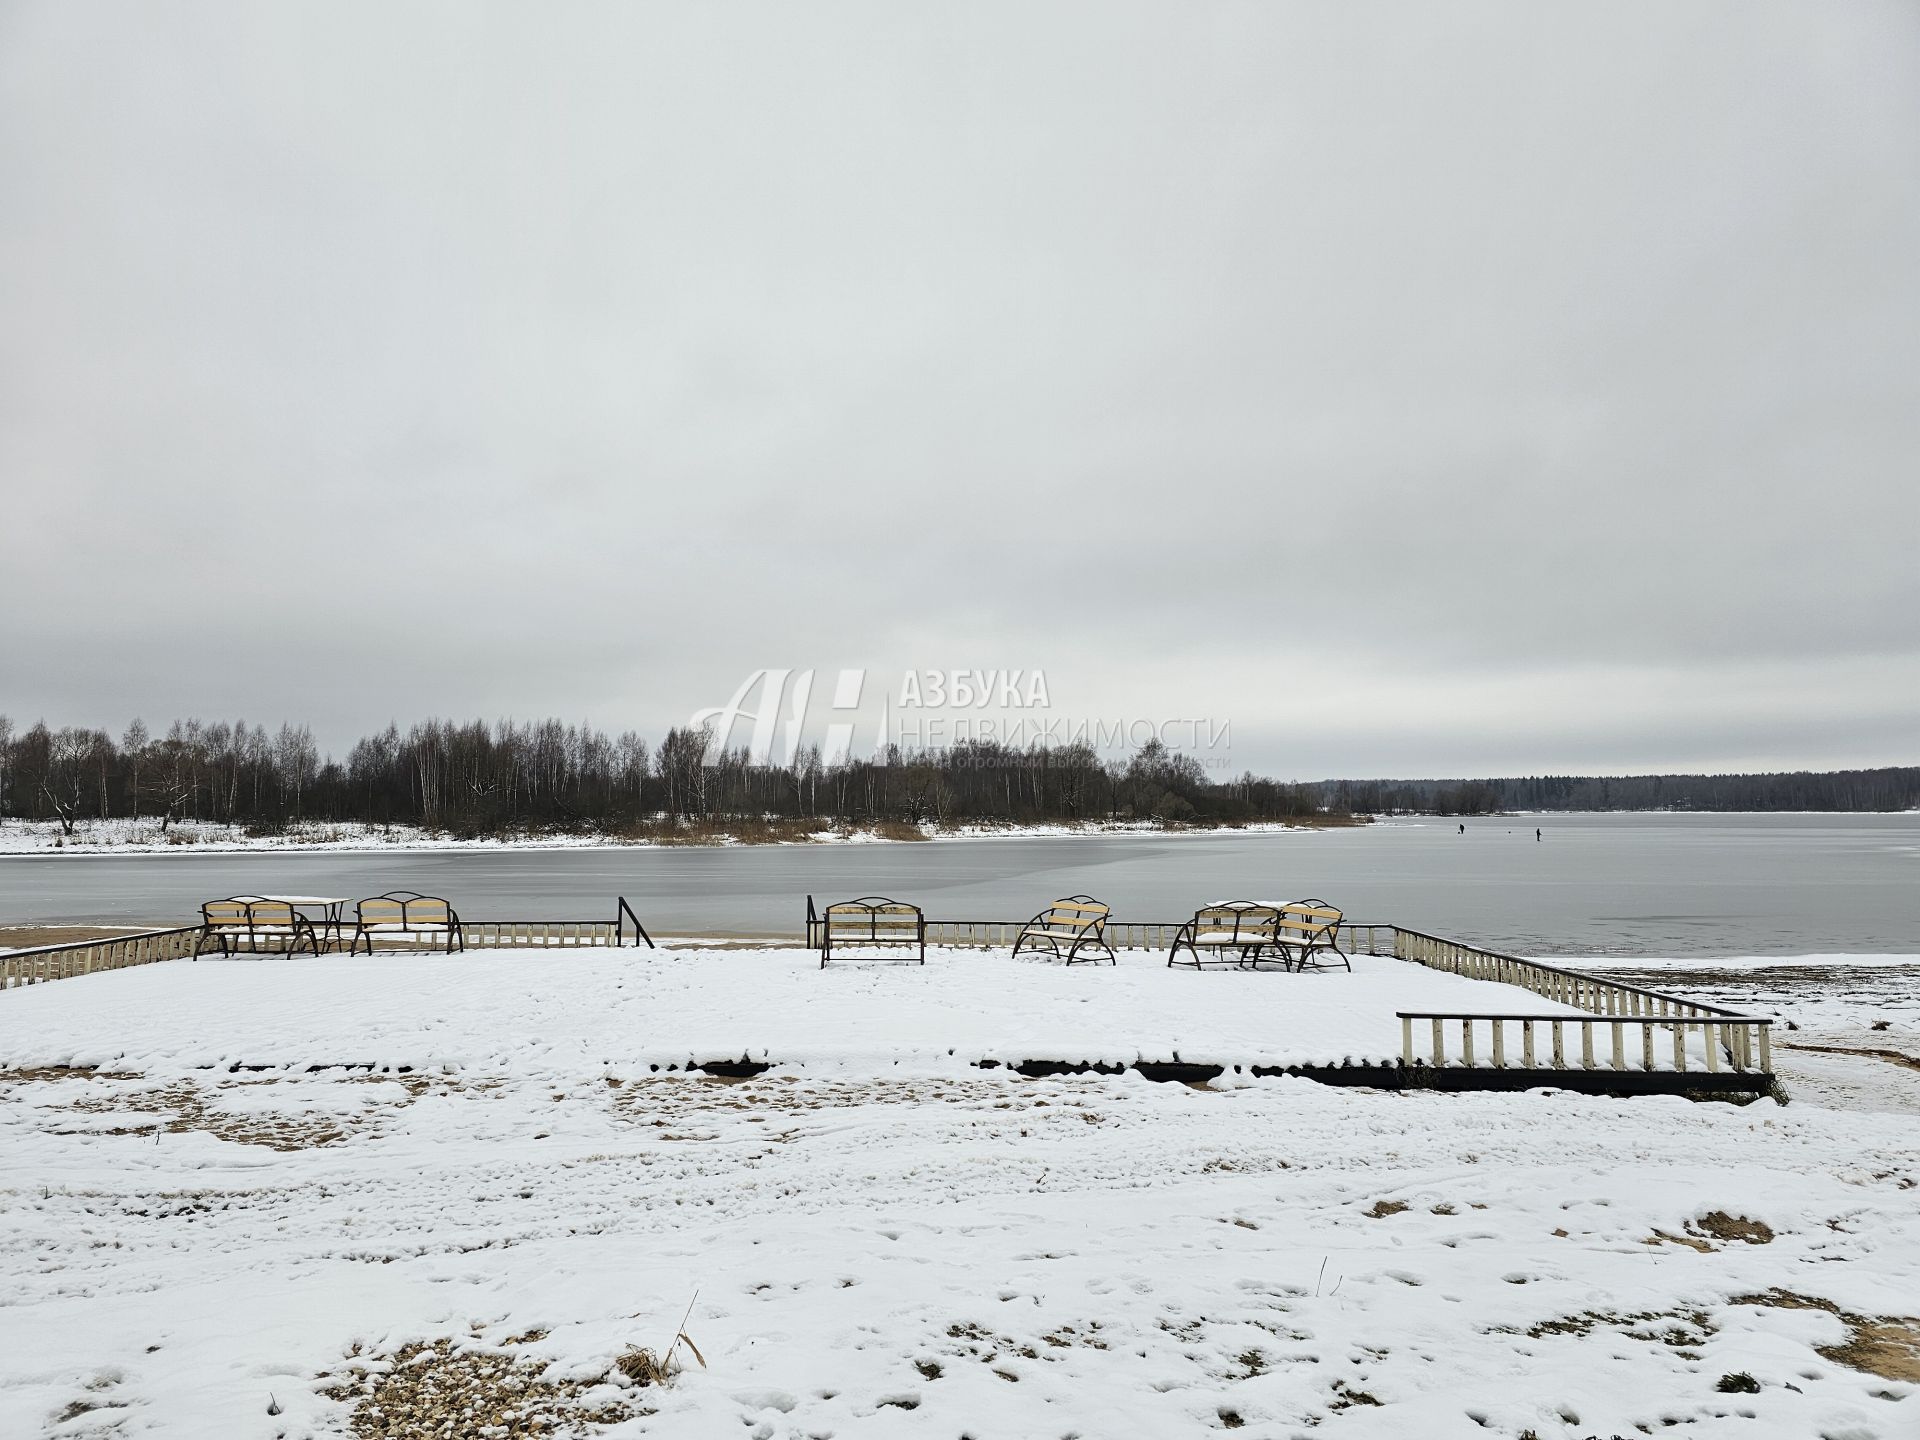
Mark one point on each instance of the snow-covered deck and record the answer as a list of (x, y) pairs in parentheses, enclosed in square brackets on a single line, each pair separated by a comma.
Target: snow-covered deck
[(581, 1012)]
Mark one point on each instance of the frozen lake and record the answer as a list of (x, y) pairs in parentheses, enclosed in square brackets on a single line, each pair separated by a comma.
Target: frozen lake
[(1596, 884)]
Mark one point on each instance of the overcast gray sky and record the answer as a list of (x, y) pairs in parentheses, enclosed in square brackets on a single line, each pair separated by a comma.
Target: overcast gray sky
[(1419, 390)]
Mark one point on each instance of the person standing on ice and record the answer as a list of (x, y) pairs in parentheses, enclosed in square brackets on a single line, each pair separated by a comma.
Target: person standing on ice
[(1536, 833), (1463, 829)]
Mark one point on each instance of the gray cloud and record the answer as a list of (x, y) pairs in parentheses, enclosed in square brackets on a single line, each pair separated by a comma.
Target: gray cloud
[(1499, 388)]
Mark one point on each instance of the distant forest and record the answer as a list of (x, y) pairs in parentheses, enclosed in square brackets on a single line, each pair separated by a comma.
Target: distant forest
[(1890, 788), (479, 779)]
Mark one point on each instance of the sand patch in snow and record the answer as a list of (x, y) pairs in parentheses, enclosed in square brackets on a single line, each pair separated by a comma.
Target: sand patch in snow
[(1883, 1345), (279, 1114)]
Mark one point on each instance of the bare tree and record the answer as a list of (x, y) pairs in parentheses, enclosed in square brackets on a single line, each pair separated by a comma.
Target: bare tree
[(296, 759), (683, 757), (133, 754), (65, 781)]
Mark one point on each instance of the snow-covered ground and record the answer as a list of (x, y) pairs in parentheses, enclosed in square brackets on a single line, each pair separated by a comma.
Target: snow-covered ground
[(912, 1249), (577, 1013), (1849, 1031), (145, 837)]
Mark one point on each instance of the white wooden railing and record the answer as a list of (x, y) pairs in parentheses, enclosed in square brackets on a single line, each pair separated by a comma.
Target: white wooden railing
[(537, 934), (1667, 1026), (88, 957)]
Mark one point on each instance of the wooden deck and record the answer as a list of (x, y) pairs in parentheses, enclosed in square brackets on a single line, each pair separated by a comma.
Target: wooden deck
[(1589, 1033)]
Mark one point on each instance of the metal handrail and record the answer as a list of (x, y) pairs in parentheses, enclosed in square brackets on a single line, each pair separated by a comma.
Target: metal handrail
[(1698, 1005), (1724, 1017), (40, 963), (21, 954), (623, 914)]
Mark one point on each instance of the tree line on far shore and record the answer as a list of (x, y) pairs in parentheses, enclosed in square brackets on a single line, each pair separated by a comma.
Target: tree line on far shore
[(478, 779)]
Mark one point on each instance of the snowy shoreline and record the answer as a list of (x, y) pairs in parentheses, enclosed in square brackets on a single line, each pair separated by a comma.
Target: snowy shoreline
[(21, 839)]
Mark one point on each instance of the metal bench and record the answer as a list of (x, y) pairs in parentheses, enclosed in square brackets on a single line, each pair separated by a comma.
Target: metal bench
[(408, 916), (873, 922), (1078, 923), (247, 925), (1308, 931), (1230, 932)]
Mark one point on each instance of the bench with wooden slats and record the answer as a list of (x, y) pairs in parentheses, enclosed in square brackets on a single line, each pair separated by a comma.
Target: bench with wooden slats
[(873, 922), (1078, 923), (1230, 932), (245, 925), (1308, 932), (413, 919)]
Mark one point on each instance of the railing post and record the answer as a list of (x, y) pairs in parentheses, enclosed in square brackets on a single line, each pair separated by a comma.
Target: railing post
[(1406, 1040)]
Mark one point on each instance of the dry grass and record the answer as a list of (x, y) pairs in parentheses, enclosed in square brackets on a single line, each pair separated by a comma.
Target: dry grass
[(670, 1101), (973, 1341), (720, 832), (1691, 1242), (1726, 1228), (1678, 1329), (436, 1390), (643, 1367), (1716, 1225), (1345, 1398), (1883, 1345), (897, 830), (1383, 1208), (47, 1074)]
